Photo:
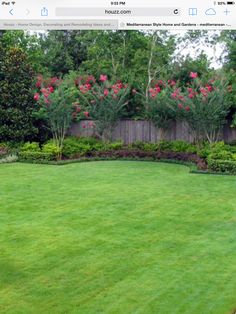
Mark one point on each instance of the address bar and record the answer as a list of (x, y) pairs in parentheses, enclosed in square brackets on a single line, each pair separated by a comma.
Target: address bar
[(66, 12)]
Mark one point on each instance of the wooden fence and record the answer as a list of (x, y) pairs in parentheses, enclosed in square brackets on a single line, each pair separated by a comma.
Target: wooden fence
[(130, 131)]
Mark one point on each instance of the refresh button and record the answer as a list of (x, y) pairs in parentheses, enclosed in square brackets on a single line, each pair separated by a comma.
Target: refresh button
[(176, 11)]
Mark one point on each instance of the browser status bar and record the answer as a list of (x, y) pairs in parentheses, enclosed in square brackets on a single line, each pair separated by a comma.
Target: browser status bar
[(128, 14)]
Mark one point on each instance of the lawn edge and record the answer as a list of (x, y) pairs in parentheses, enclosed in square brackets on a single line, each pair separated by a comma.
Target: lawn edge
[(192, 166)]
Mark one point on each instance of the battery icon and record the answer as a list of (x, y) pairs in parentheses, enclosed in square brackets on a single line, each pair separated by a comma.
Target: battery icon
[(230, 2)]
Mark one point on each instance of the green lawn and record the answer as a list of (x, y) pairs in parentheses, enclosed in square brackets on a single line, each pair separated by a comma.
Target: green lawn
[(116, 237)]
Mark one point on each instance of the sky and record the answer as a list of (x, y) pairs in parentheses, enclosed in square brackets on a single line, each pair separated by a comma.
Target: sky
[(215, 53)]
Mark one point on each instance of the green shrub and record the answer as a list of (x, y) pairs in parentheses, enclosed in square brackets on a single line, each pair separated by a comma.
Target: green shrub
[(233, 143), (204, 152), (30, 147), (138, 145), (232, 149), (221, 151), (51, 148), (115, 145), (234, 157), (183, 147), (206, 149), (99, 147), (225, 166), (36, 156), (88, 140), (150, 147), (73, 146), (221, 155), (175, 146), (165, 146)]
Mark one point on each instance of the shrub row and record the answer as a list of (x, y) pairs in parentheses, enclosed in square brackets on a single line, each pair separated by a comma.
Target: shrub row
[(175, 146), (32, 151), (36, 156), (222, 166)]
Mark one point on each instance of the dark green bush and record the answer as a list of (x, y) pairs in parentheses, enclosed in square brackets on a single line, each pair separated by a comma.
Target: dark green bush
[(16, 97), (223, 166), (183, 147)]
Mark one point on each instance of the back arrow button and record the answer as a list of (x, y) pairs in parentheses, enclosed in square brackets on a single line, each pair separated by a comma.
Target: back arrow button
[(11, 12)]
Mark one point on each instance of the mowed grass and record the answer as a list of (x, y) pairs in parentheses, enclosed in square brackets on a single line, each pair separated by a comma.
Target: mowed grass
[(116, 237)]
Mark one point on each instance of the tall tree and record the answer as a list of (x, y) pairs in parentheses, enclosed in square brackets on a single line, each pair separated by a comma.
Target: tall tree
[(29, 43), (16, 98), (63, 50)]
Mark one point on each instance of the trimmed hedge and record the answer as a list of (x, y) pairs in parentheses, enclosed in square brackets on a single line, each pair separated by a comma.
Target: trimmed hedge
[(223, 166), (36, 156)]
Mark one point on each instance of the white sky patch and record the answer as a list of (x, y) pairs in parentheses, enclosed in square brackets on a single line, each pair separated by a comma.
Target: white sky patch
[(215, 53)]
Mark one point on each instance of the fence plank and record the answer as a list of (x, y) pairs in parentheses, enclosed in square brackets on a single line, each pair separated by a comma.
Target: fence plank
[(130, 131)]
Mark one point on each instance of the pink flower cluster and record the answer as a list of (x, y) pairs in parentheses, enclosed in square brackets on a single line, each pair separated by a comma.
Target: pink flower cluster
[(85, 88), (50, 82), (154, 91), (45, 92), (103, 78), (85, 80), (87, 85), (193, 75), (172, 82), (176, 94)]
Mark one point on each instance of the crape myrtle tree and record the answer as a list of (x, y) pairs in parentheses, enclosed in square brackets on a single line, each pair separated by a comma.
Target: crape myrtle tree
[(204, 105), (160, 107), (16, 97), (105, 102), (56, 104)]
